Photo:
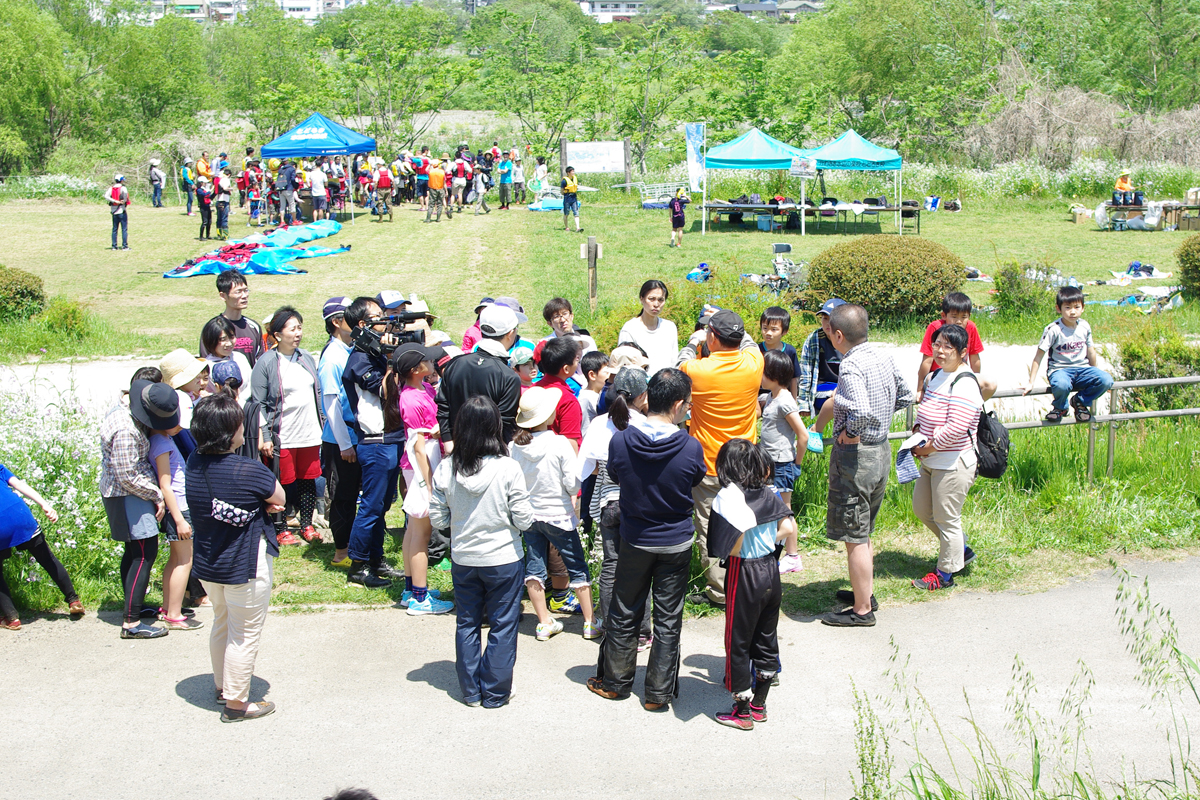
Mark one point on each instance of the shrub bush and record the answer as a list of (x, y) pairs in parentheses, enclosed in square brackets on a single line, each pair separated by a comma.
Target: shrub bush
[(68, 318), (888, 275), (1188, 256), (1157, 349), (1018, 295), (22, 295)]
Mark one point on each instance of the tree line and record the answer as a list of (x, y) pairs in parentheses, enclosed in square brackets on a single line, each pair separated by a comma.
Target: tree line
[(917, 74)]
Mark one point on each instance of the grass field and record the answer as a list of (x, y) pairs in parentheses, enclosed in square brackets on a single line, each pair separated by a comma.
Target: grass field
[(517, 252)]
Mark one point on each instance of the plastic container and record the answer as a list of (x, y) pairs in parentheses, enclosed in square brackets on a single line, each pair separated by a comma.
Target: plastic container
[(764, 222)]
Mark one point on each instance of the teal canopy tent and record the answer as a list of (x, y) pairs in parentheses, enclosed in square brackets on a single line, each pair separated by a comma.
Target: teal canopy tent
[(752, 150), (852, 152)]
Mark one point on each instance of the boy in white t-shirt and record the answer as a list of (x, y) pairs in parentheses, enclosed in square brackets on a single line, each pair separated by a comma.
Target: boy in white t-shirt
[(1071, 366), (594, 367)]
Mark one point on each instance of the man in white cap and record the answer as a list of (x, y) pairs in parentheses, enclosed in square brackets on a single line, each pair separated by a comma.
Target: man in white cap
[(483, 372), (157, 179), (118, 206)]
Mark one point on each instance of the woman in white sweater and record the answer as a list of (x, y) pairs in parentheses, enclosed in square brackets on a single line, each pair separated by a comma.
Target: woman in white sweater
[(656, 336), (479, 494)]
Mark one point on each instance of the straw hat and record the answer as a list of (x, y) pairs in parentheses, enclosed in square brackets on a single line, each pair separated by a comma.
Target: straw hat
[(538, 405), (179, 368), (626, 357)]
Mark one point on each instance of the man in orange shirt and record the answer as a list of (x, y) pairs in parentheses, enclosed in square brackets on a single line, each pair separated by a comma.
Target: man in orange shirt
[(203, 167), (725, 386), (437, 192)]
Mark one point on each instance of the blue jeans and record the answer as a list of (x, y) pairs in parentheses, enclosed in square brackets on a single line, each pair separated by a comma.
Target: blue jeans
[(1089, 382), (538, 539), (120, 221), (156, 198), (380, 464), (495, 591), (222, 214), (190, 194)]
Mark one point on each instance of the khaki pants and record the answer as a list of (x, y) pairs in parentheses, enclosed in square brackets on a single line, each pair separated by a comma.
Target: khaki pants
[(938, 499), (714, 573), (238, 615)]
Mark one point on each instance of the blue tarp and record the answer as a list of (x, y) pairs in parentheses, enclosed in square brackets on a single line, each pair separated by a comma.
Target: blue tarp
[(547, 203), (851, 151), (753, 150), (274, 257), (318, 136)]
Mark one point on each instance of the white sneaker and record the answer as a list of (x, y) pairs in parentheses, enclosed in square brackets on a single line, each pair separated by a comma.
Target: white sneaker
[(790, 564), (546, 630), (593, 630)]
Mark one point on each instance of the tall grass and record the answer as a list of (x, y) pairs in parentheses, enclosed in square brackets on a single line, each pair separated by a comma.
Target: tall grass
[(1042, 753)]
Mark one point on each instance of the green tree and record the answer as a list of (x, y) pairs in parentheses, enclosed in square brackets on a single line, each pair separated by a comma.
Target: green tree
[(654, 78), (36, 95), (395, 66), (268, 67), (536, 63)]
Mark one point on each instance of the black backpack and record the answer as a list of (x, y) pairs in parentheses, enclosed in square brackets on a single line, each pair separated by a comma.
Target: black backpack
[(991, 440)]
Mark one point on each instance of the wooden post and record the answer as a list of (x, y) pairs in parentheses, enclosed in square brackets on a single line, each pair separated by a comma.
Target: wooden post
[(562, 158), (593, 251), (628, 163)]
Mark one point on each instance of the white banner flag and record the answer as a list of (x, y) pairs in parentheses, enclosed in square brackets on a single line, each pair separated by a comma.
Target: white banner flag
[(694, 134)]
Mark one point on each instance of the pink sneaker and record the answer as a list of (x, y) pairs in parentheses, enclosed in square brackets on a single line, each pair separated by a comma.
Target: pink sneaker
[(790, 564)]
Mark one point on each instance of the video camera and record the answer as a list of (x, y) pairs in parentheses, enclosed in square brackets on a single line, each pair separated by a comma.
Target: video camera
[(378, 343)]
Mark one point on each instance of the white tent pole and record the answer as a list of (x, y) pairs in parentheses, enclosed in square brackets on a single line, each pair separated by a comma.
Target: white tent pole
[(900, 196), (704, 185), (803, 184)]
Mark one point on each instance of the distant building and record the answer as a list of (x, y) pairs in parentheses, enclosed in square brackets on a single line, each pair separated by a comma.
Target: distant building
[(227, 10), (611, 10), (757, 9), (791, 8)]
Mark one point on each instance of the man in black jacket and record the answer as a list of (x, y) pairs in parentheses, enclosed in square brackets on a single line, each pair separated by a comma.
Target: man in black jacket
[(484, 372), (378, 453)]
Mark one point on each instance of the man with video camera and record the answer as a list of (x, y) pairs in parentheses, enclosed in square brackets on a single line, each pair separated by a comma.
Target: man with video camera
[(380, 436), (484, 372)]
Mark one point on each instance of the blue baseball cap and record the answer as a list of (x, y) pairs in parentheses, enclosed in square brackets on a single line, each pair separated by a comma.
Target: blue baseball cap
[(335, 305), (224, 370), (831, 304)]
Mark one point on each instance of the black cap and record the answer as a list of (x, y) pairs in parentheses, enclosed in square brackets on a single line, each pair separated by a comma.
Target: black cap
[(410, 354), (155, 405), (727, 325)]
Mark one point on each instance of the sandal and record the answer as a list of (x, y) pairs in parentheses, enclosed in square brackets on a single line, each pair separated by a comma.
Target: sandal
[(182, 624), (10, 623), (1055, 415), (1082, 412), (76, 609)]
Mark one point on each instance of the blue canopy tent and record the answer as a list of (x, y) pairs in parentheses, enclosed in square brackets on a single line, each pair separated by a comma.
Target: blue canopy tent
[(852, 152), (319, 136), (752, 150)]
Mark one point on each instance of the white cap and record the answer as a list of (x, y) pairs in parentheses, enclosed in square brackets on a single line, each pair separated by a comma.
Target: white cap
[(118, 177), (390, 298), (496, 320)]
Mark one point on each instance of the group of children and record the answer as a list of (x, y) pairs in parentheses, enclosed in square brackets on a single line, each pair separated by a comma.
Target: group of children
[(567, 384)]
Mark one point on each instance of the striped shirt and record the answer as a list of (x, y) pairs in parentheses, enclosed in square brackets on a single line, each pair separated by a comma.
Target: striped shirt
[(948, 415), (870, 390)]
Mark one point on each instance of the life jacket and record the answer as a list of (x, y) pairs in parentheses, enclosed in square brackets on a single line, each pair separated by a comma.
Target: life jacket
[(829, 362), (385, 179), (421, 165), (460, 169), (572, 186), (114, 196)]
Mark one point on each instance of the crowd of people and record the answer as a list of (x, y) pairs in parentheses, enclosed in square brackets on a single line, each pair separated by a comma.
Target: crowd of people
[(518, 460), (270, 191)]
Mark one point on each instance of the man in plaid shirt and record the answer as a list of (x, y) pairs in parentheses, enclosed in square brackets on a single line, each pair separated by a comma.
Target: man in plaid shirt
[(870, 390)]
